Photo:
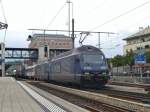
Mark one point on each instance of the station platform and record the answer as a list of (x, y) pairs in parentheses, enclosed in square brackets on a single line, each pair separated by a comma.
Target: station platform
[(15, 96), (14, 99)]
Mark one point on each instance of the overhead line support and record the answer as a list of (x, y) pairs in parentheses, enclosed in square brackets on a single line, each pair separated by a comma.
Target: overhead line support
[(3, 25)]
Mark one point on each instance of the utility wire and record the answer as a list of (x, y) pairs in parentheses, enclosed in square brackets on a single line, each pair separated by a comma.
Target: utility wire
[(98, 6), (52, 20), (108, 21)]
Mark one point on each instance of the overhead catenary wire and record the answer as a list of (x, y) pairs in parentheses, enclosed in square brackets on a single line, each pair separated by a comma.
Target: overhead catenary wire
[(131, 10), (53, 19), (139, 21)]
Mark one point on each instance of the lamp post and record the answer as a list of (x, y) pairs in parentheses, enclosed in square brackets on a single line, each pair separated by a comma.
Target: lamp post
[(3, 26), (3, 58)]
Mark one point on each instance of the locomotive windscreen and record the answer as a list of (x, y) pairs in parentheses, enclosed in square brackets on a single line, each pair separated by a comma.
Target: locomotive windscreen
[(93, 58)]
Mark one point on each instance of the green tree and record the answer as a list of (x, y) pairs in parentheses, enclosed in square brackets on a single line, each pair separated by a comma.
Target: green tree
[(127, 59), (117, 61), (147, 54)]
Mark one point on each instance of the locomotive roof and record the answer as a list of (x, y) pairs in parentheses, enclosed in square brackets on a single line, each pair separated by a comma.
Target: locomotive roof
[(83, 48)]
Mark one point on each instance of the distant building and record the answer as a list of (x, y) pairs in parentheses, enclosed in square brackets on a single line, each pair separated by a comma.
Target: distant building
[(138, 41), (55, 43)]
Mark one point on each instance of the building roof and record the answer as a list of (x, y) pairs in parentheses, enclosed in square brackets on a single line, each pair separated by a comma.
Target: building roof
[(49, 35), (40, 35), (144, 32)]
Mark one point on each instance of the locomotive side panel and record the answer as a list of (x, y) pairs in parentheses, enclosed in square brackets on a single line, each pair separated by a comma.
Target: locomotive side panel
[(42, 71), (63, 70)]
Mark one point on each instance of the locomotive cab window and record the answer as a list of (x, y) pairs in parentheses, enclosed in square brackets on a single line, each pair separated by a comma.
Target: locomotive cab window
[(77, 60), (94, 59)]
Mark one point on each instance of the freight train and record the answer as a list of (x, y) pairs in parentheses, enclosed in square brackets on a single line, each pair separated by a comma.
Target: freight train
[(84, 66)]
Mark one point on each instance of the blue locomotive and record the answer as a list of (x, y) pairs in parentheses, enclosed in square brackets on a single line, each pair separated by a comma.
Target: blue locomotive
[(85, 66)]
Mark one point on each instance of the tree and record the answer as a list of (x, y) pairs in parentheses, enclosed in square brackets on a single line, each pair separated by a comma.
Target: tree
[(117, 61), (123, 60), (147, 54)]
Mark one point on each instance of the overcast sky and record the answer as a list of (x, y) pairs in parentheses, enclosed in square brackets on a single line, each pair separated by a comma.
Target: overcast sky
[(90, 15)]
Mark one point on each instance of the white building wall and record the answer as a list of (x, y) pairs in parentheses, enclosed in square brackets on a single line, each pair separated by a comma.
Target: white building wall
[(42, 56), (138, 40), (135, 46), (135, 43)]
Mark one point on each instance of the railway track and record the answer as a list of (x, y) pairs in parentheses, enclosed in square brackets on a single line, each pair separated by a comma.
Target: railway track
[(126, 84), (137, 97), (145, 86), (89, 104), (105, 108)]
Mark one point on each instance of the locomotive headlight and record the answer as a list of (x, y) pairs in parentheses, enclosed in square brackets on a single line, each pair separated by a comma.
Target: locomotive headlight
[(103, 67), (87, 68), (86, 73), (104, 73)]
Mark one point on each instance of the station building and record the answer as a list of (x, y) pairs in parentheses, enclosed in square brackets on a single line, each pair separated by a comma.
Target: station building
[(50, 45), (138, 41)]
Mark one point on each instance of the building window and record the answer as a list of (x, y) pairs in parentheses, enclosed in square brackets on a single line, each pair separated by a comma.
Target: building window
[(142, 40), (147, 46), (138, 48)]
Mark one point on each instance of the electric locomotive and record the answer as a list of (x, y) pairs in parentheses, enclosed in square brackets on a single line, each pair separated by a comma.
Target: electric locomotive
[(85, 65)]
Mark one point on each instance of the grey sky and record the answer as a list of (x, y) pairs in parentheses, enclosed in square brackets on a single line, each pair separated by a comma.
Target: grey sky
[(24, 14)]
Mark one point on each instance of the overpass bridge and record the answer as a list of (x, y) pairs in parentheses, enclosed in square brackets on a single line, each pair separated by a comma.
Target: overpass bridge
[(21, 53), (32, 54), (15, 53)]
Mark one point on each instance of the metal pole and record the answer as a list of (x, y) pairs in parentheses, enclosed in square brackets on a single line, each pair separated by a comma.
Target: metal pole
[(68, 1), (3, 59), (44, 38), (99, 46), (141, 74), (73, 33)]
